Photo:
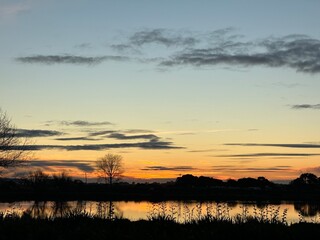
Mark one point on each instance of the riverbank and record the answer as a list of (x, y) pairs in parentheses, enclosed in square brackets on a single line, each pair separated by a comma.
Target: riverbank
[(156, 192)]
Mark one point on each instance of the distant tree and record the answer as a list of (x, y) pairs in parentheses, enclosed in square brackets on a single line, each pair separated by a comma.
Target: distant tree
[(62, 180), (110, 167), (231, 183), (209, 181), (247, 182), (306, 179), (187, 180), (38, 177), (263, 182), (252, 182), (12, 147), (190, 180)]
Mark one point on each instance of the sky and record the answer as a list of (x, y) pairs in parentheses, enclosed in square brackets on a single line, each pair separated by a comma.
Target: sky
[(225, 89)]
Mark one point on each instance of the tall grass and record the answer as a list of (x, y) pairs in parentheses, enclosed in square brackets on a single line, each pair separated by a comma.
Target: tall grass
[(216, 212), (176, 212)]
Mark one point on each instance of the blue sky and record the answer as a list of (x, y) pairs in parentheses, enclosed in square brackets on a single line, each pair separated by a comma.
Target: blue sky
[(196, 74)]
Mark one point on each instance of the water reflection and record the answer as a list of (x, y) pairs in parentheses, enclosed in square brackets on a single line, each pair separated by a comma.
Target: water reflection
[(307, 209), (180, 210), (38, 210), (59, 209), (108, 210)]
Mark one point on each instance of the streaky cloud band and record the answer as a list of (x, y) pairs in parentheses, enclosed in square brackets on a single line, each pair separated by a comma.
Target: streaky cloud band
[(306, 106), (69, 59), (269, 155), (284, 145), (152, 145)]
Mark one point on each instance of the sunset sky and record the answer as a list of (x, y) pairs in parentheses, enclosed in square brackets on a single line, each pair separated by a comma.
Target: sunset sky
[(226, 89)]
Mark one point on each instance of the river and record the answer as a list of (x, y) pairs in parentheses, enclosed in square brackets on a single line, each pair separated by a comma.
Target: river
[(181, 211)]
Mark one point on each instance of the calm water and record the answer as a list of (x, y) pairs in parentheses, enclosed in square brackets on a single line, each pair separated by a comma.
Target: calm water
[(182, 211)]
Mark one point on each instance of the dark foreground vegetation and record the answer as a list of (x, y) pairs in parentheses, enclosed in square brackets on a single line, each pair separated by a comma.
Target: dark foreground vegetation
[(39, 186), (85, 226)]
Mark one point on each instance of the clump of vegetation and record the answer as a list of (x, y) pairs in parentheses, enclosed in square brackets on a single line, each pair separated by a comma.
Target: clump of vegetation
[(217, 212)]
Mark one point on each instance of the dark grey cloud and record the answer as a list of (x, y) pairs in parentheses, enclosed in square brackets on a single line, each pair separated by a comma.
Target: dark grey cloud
[(121, 47), (220, 47), (77, 139), (269, 155), (294, 51), (29, 133), (126, 49), (233, 168), (285, 145), (162, 168), (306, 106), (121, 136), (69, 59), (153, 144), (101, 133), (161, 36), (81, 123), (206, 150), (133, 131), (82, 165)]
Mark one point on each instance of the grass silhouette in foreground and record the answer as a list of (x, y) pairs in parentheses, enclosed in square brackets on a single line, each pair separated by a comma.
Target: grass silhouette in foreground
[(213, 224)]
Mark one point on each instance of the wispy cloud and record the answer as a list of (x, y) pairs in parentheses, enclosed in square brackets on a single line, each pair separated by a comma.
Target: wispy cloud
[(151, 144), (82, 165), (269, 155), (163, 37), (77, 139), (101, 133), (206, 150), (121, 136), (14, 9), (129, 134), (306, 106), (84, 123), (69, 59), (232, 168), (192, 132), (37, 133), (220, 47), (163, 168), (78, 123), (83, 46), (298, 52), (284, 145), (136, 131)]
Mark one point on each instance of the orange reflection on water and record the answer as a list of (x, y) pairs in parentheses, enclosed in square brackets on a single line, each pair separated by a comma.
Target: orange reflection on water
[(181, 211)]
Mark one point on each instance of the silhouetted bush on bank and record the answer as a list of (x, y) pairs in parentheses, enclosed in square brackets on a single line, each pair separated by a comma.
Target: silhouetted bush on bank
[(187, 187)]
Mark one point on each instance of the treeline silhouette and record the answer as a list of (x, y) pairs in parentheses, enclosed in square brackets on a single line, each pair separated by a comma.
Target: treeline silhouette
[(40, 186), (190, 180)]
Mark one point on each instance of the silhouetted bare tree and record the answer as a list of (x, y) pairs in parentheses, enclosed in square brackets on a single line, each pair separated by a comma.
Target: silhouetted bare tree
[(110, 167), (38, 177), (12, 147)]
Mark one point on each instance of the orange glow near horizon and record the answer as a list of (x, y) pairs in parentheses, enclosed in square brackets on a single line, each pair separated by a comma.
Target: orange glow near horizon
[(156, 164)]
